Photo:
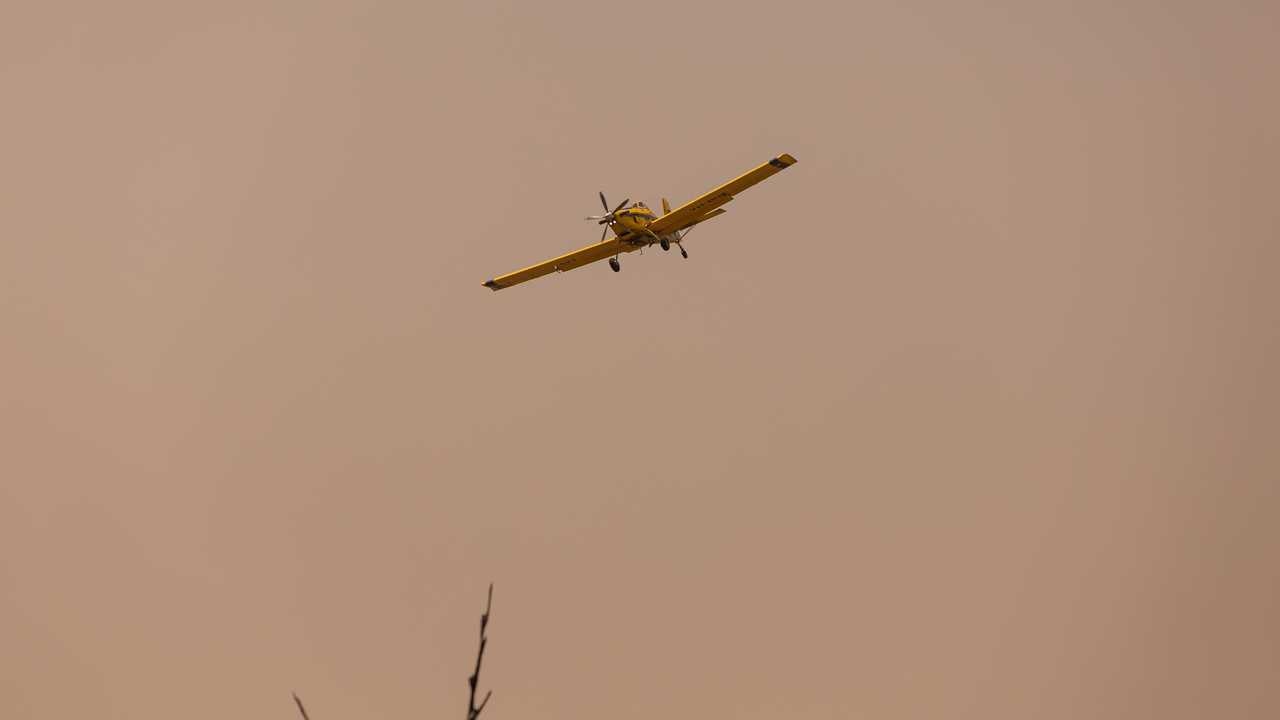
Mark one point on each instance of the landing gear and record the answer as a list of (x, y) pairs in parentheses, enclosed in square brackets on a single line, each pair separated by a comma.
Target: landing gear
[(683, 254), (665, 243), (614, 264)]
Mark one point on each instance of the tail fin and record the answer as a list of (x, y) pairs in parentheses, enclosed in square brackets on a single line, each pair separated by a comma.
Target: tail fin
[(666, 207)]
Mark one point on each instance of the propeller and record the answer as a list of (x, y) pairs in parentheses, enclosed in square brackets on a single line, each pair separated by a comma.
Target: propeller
[(609, 215)]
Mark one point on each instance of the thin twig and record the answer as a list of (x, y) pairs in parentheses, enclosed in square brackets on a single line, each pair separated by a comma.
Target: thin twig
[(473, 711), (300, 708)]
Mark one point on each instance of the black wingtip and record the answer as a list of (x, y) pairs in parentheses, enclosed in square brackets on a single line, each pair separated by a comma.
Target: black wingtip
[(783, 161)]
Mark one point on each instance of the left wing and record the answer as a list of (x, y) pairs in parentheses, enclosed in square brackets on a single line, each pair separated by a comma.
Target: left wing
[(703, 206), (564, 263)]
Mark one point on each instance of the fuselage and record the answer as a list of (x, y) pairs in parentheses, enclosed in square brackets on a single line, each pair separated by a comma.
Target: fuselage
[(633, 219)]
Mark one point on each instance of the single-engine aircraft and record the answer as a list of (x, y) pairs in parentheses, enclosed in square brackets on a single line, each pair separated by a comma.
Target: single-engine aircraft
[(636, 227)]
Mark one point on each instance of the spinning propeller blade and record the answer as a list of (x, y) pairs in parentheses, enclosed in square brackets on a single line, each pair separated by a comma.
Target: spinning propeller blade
[(609, 218), (609, 215)]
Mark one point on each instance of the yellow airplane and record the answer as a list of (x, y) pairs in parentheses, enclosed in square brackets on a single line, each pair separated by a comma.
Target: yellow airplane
[(637, 227)]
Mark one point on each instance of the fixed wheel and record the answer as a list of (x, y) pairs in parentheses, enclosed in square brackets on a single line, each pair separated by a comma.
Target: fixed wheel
[(683, 254), (613, 263), (665, 243)]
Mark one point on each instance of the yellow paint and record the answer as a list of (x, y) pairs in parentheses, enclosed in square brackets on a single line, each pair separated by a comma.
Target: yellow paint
[(637, 226)]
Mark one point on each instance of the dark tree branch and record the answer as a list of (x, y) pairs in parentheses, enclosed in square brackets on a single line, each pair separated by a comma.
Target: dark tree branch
[(473, 711), (300, 708)]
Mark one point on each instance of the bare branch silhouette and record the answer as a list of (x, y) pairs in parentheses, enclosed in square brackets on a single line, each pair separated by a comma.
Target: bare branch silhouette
[(473, 711)]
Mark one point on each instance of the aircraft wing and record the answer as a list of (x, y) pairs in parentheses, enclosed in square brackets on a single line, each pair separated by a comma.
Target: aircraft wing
[(564, 263), (702, 207)]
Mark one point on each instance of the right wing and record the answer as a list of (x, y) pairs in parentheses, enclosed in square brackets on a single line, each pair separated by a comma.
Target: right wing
[(703, 207), (564, 263)]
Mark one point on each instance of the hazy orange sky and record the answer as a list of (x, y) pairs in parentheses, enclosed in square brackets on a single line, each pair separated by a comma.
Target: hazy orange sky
[(970, 414)]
